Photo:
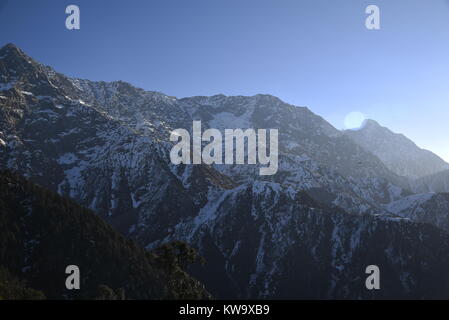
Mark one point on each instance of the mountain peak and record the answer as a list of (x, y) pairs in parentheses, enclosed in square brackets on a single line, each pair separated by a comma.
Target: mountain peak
[(10, 49), (400, 154), (371, 122), (14, 57), (9, 46), (372, 126)]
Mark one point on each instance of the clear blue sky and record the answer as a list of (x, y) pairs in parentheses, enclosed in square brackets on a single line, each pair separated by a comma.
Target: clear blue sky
[(314, 53)]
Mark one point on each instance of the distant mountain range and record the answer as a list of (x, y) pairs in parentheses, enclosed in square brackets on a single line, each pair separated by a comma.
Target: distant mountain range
[(339, 202), (396, 151)]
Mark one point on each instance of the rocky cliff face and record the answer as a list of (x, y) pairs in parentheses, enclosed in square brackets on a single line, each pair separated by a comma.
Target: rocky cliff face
[(307, 231)]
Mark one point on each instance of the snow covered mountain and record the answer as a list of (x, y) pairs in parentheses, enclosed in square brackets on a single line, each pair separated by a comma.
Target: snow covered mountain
[(263, 241), (308, 231), (397, 152), (313, 154), (41, 233)]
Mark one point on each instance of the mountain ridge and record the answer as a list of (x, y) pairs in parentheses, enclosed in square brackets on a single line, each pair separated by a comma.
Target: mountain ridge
[(106, 146), (396, 151)]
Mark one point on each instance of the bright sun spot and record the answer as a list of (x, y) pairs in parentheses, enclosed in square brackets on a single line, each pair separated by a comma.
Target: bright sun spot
[(354, 120)]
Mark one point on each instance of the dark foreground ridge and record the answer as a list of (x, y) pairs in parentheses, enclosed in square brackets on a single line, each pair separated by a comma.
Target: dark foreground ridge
[(42, 233)]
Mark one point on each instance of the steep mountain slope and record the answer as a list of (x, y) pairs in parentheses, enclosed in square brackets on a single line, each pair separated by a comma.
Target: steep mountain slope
[(313, 155), (270, 242), (42, 233), (438, 182), (106, 146), (430, 208), (396, 151), (59, 141)]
